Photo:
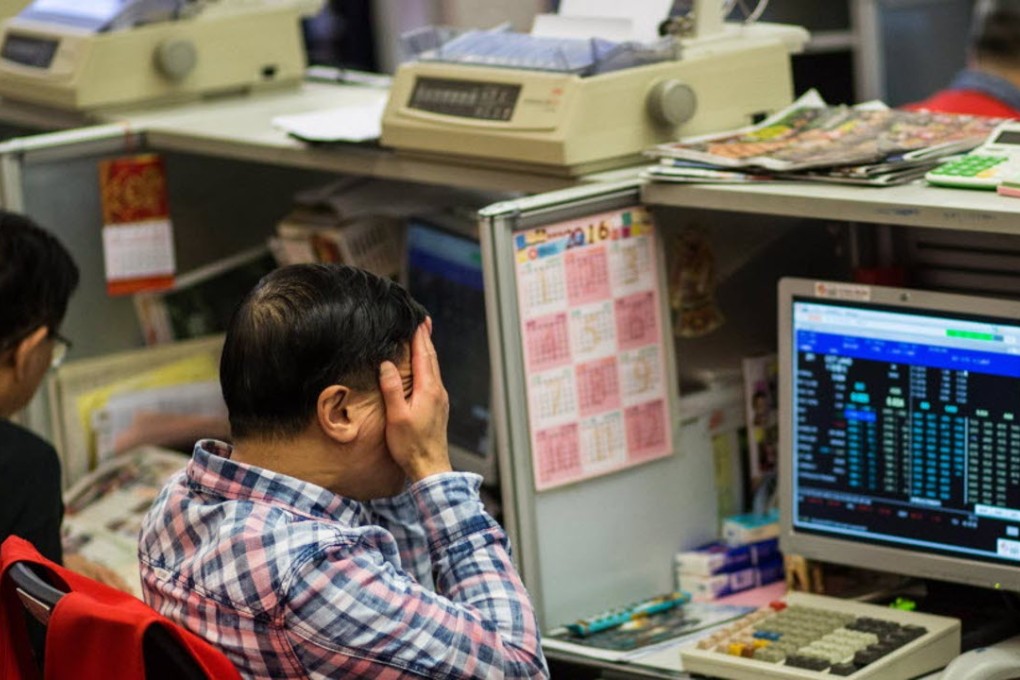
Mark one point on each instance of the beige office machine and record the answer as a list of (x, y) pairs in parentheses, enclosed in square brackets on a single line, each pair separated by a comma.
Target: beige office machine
[(86, 55), (11, 8), (567, 124)]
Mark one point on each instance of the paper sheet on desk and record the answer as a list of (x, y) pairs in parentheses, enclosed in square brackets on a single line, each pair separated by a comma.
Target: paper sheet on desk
[(653, 640), (353, 124), (644, 16), (666, 656), (559, 26)]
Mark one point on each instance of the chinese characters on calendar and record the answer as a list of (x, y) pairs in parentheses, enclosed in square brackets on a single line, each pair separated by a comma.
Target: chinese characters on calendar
[(592, 328), (138, 242)]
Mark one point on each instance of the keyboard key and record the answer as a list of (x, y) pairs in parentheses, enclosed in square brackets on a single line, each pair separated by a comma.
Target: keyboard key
[(808, 661), (867, 656), (843, 669), (769, 654)]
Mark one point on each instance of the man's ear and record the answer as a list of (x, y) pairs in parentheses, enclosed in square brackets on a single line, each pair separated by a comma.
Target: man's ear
[(337, 414), (24, 351)]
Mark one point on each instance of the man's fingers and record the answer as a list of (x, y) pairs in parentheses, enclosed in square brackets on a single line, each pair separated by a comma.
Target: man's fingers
[(391, 387), (433, 358), (421, 361)]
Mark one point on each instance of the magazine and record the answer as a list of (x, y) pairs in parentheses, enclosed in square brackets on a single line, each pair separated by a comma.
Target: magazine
[(761, 398), (683, 173), (849, 175), (103, 512), (811, 134), (644, 634), (202, 301)]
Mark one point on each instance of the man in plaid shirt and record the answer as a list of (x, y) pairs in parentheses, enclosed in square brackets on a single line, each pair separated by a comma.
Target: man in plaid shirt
[(333, 540)]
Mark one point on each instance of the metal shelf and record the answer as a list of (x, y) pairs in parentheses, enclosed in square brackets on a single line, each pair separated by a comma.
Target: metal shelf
[(912, 205)]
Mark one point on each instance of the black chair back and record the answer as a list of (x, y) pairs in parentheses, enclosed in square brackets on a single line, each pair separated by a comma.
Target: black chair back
[(38, 596), (166, 659)]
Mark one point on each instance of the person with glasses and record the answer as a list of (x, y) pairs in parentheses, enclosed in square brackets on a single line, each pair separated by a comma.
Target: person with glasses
[(61, 346), (37, 278)]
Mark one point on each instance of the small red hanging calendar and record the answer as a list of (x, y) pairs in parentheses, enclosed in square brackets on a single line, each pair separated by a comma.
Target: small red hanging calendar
[(138, 243)]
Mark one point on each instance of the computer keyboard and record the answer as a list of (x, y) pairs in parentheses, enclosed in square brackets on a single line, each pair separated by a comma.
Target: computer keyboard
[(820, 637)]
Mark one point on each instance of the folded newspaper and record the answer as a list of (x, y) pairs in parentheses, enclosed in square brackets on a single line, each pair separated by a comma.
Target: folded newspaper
[(103, 512), (865, 142)]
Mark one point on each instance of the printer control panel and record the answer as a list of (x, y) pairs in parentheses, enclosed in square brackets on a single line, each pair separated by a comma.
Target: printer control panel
[(29, 50), (465, 98)]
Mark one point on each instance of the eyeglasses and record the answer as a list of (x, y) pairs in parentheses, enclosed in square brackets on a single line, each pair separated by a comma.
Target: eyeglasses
[(61, 346)]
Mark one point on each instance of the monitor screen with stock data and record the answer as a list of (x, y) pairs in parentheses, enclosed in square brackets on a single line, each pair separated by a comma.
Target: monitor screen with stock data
[(900, 430)]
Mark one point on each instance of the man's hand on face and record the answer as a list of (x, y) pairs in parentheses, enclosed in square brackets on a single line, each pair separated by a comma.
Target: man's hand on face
[(416, 426)]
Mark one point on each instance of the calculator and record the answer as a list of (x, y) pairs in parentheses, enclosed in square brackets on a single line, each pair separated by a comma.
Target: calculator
[(987, 165)]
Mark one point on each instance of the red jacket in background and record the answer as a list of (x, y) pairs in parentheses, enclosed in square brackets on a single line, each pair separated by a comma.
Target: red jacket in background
[(975, 92), (965, 101), (94, 632)]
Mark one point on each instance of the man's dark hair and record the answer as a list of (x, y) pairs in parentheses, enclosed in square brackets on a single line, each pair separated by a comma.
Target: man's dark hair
[(301, 329), (995, 33), (37, 278)]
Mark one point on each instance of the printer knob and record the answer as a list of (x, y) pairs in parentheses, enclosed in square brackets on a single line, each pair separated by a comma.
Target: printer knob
[(176, 57), (671, 102)]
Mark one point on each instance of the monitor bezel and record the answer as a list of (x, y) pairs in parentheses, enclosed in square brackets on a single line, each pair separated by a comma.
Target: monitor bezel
[(846, 551)]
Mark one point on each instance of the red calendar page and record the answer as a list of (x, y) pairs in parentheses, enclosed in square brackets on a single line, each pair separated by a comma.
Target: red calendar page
[(591, 322), (138, 242)]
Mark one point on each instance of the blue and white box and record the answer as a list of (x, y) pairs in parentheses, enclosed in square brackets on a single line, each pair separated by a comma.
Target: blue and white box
[(719, 558), (750, 528)]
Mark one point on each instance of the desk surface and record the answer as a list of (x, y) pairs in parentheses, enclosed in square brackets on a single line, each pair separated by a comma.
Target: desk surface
[(665, 664), (241, 128)]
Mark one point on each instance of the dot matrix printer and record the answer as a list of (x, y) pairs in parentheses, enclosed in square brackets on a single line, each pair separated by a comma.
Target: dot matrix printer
[(101, 54), (555, 103)]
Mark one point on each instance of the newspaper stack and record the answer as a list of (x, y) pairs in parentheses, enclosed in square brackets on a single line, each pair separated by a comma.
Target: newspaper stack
[(868, 144)]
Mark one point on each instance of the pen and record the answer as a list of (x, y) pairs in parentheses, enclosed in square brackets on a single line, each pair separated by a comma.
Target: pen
[(615, 618)]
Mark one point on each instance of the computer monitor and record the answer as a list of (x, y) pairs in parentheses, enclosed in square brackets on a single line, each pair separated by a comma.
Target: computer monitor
[(900, 431), (444, 273)]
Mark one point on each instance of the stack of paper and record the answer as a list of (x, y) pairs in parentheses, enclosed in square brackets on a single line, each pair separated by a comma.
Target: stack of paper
[(353, 124), (868, 144)]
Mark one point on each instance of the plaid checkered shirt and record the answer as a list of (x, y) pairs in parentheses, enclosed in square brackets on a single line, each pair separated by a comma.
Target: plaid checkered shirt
[(293, 581)]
